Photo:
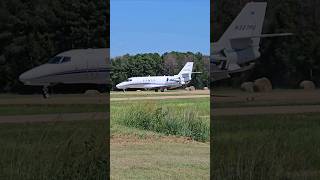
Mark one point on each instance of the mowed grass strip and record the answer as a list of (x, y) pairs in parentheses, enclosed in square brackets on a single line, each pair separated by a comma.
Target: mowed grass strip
[(119, 94), (61, 150), (244, 103), (160, 160), (266, 147), (31, 109)]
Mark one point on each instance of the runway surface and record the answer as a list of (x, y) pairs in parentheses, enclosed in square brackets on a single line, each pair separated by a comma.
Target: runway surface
[(159, 97), (276, 102), (99, 98), (266, 110), (215, 112), (54, 117), (54, 99)]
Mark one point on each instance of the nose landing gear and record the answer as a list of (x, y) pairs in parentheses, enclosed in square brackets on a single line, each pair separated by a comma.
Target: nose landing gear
[(45, 92)]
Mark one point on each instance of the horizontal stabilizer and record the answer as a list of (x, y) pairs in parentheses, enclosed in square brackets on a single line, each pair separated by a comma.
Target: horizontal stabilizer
[(263, 36), (247, 41)]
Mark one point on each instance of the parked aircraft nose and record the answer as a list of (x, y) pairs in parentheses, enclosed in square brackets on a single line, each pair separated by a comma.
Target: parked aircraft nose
[(26, 77), (31, 77), (120, 86)]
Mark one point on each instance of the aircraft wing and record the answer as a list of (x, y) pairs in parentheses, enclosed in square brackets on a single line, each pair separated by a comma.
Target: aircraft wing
[(263, 36), (246, 41)]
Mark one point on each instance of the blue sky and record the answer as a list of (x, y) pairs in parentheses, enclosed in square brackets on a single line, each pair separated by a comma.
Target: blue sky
[(148, 26)]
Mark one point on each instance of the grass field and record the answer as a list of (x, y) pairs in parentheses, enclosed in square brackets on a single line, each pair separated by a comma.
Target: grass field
[(142, 126), (159, 141), (159, 159), (60, 150), (266, 147), (189, 118), (76, 150)]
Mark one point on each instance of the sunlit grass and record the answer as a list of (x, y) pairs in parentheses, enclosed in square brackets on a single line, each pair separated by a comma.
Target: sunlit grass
[(152, 117), (64, 150), (266, 147), (181, 118)]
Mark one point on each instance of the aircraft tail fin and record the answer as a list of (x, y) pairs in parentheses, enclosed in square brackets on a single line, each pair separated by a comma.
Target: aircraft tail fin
[(185, 73), (248, 23)]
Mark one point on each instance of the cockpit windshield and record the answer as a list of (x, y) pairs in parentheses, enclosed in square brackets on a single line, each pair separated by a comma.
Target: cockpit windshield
[(59, 60), (129, 79), (65, 59), (55, 60)]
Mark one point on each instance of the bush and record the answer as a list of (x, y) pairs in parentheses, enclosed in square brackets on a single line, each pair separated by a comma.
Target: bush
[(151, 117)]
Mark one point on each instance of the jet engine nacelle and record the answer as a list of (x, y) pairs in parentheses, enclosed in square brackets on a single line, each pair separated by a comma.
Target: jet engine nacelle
[(243, 56), (179, 79)]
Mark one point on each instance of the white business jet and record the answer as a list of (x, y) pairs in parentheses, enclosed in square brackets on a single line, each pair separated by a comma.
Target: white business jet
[(239, 46), (159, 82), (79, 66)]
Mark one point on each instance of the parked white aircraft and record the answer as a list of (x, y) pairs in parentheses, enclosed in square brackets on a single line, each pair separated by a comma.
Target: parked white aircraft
[(239, 46), (159, 82), (79, 66)]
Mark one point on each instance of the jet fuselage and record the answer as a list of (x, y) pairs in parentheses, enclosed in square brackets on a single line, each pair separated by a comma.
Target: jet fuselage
[(150, 82)]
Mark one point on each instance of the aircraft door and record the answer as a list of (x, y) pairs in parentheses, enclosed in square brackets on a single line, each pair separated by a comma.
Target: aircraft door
[(91, 64), (92, 69)]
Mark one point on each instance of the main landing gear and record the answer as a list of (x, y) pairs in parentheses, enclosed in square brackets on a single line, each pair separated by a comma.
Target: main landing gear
[(162, 90)]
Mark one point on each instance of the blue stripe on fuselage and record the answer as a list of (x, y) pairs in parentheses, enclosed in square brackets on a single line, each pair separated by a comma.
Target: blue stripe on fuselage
[(77, 72)]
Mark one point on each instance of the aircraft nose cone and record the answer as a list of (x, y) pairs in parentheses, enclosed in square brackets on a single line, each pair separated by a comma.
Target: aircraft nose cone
[(32, 76), (120, 86), (28, 77), (24, 77)]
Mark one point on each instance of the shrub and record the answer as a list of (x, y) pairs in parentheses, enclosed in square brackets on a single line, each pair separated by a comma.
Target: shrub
[(161, 119)]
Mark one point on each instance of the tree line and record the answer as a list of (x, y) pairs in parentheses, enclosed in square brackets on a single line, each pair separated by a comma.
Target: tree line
[(154, 64), (286, 61), (33, 31)]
